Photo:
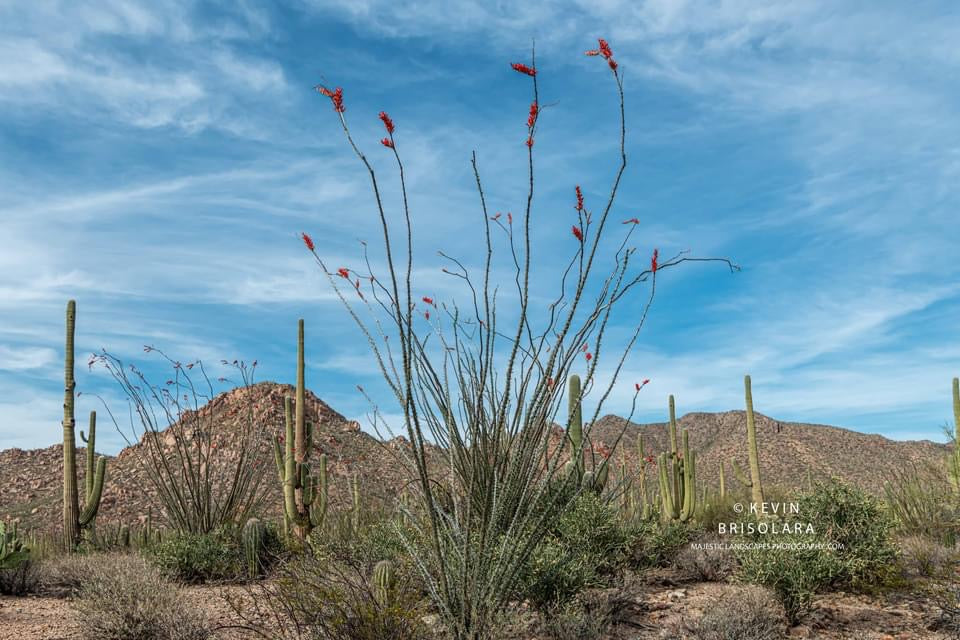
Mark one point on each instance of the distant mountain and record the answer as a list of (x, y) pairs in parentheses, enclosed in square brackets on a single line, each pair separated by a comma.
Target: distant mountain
[(31, 490)]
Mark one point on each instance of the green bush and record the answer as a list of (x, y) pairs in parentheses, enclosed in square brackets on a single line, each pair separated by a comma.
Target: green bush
[(795, 571), (587, 544), (197, 558), (654, 543), (859, 527), (123, 598)]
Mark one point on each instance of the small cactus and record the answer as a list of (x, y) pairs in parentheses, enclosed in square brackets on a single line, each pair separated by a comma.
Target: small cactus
[(253, 535), (12, 551), (596, 479), (383, 582)]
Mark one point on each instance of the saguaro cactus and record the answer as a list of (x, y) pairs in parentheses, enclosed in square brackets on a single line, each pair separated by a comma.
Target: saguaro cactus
[(756, 489), (596, 479), (12, 551), (953, 462), (73, 519), (304, 502), (723, 484), (680, 503)]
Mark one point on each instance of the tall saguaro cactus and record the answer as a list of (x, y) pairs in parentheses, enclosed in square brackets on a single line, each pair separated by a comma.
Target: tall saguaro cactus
[(304, 502), (756, 489), (596, 478), (73, 519)]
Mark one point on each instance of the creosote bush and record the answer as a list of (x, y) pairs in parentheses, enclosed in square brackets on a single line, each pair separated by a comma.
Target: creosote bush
[(123, 598)]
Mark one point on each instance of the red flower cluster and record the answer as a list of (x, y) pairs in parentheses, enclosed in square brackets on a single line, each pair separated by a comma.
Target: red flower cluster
[(605, 51), (344, 272), (577, 233), (653, 261), (387, 122), (522, 68), (632, 221), (335, 96), (589, 357), (641, 385), (307, 240), (428, 300), (387, 142), (530, 141), (579, 206), (532, 118)]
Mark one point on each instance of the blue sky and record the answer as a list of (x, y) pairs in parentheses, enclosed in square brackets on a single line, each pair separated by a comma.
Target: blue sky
[(159, 160)]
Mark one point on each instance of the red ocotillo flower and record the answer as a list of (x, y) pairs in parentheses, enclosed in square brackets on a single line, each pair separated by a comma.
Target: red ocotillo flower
[(530, 141), (335, 96), (632, 221), (641, 385), (575, 230), (522, 68), (387, 142), (428, 300), (579, 206), (605, 49), (591, 52), (387, 122), (584, 347), (307, 240), (550, 382), (496, 217), (532, 118), (612, 63), (653, 261), (589, 357), (509, 218), (344, 272)]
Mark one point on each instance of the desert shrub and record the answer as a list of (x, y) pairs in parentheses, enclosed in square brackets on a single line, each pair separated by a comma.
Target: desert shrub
[(710, 560), (922, 503), (123, 598), (62, 575), (589, 616), (22, 579), (585, 546), (741, 613), (199, 557), (859, 528), (922, 556), (794, 567), (314, 598), (654, 543)]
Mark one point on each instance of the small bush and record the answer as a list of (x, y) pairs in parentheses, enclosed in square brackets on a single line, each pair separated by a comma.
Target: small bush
[(744, 613), (590, 616), (313, 598), (860, 529), (710, 560), (922, 556), (656, 544), (795, 572), (63, 575), (23, 579), (198, 558), (587, 544), (123, 598)]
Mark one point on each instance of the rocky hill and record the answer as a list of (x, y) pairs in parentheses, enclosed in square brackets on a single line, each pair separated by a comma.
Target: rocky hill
[(31, 489)]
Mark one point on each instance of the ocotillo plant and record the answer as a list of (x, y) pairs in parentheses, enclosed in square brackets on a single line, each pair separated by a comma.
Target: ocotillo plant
[(472, 378), (74, 521), (680, 503), (642, 461), (756, 489), (304, 495)]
